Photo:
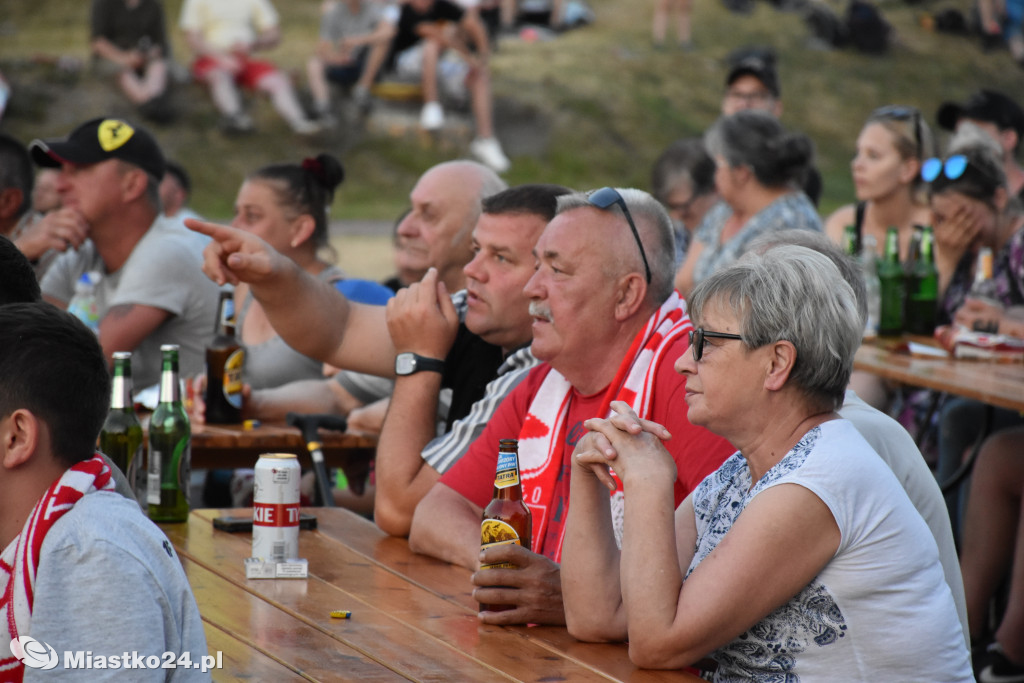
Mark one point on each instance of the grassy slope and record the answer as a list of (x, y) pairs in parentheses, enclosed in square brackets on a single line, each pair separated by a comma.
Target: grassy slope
[(605, 102)]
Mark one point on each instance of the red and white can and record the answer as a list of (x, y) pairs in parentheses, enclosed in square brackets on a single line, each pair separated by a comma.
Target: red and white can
[(275, 507)]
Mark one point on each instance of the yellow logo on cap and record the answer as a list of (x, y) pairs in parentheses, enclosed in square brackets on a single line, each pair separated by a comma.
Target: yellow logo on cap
[(114, 133)]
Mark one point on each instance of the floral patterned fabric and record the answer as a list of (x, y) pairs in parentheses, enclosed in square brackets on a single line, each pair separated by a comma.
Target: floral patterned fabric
[(879, 610), (793, 210)]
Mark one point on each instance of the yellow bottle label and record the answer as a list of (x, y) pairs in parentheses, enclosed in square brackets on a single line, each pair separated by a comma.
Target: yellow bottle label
[(233, 378), (495, 532)]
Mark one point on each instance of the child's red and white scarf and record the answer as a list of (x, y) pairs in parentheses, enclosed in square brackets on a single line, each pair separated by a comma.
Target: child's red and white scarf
[(20, 559), (542, 436)]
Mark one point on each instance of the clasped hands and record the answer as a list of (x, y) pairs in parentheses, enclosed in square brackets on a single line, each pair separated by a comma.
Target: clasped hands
[(626, 443)]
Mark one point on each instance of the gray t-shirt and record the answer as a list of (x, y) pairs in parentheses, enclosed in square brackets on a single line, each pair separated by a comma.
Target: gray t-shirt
[(163, 271), (109, 582), (339, 22)]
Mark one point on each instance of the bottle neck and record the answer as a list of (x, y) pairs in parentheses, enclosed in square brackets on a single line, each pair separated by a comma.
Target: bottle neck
[(506, 478), (121, 390), (170, 388)]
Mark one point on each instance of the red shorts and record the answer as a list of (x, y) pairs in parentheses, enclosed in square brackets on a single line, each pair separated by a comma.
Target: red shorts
[(248, 76)]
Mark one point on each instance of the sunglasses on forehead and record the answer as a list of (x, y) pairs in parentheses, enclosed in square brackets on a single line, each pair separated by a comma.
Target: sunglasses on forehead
[(900, 113), (604, 199)]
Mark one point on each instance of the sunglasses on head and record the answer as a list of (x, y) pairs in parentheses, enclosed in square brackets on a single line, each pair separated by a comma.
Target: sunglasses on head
[(953, 167), (606, 197), (900, 113)]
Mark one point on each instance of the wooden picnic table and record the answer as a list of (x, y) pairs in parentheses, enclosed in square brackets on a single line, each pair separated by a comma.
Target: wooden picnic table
[(995, 383), (413, 617)]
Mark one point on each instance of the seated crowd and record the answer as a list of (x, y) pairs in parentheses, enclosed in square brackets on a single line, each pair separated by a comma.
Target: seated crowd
[(707, 329)]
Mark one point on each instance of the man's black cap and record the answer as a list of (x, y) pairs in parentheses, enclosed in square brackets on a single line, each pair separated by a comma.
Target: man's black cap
[(985, 105), (760, 65), (99, 140)]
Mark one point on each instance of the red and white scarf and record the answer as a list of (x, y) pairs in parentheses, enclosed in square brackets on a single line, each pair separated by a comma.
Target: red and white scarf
[(20, 559), (542, 435)]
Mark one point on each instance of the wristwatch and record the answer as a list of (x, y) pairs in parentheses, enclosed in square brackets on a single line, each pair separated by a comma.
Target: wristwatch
[(410, 363)]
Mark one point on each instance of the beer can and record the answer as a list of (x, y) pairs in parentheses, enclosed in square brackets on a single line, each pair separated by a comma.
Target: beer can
[(275, 513)]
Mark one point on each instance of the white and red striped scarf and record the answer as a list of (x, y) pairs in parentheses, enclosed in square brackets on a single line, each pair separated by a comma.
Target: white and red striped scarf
[(542, 435), (20, 559)]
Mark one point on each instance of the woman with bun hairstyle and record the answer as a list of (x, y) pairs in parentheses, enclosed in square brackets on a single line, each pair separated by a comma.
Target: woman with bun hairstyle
[(286, 205), (759, 170)]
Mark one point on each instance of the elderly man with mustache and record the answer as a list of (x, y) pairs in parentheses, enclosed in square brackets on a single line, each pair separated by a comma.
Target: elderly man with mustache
[(608, 326)]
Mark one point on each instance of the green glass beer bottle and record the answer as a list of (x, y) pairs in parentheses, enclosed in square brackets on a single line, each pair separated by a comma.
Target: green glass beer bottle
[(121, 436), (891, 277), (506, 519), (224, 360), (923, 288), (851, 241), (167, 484)]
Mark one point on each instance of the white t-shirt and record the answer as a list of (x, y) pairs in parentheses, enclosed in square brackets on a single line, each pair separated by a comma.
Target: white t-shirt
[(226, 23), (879, 610), (891, 441), (164, 271)]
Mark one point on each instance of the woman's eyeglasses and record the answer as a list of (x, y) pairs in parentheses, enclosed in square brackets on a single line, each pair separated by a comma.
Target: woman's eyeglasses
[(698, 336), (900, 113), (953, 167), (605, 198)]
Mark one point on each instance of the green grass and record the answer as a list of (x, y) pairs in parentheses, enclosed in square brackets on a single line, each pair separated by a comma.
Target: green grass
[(605, 102)]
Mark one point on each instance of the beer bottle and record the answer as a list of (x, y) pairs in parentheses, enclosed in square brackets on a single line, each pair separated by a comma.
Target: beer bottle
[(224, 360), (506, 518), (891, 278), (167, 486), (121, 436), (851, 242), (984, 286), (923, 288)]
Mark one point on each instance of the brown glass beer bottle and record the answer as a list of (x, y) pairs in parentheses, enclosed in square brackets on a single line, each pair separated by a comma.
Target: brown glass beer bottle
[(506, 518), (224, 360)]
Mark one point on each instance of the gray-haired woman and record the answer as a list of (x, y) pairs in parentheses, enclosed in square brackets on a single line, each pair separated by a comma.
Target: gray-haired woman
[(801, 557), (760, 168)]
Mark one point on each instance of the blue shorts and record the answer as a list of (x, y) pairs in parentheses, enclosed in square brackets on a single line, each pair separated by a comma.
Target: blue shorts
[(347, 74)]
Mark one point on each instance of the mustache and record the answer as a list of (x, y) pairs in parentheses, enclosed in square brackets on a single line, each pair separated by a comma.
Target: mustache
[(540, 310)]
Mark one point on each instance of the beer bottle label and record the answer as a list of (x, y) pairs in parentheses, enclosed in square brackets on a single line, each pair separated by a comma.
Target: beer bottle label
[(232, 382), (496, 532), (507, 473)]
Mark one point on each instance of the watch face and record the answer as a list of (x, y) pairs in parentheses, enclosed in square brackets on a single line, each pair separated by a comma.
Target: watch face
[(405, 364)]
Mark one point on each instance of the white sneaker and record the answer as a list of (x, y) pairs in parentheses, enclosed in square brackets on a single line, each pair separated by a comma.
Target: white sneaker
[(488, 150), (432, 116), (306, 127)]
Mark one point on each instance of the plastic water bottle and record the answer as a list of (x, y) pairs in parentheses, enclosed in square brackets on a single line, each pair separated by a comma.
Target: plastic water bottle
[(83, 304), (873, 285)]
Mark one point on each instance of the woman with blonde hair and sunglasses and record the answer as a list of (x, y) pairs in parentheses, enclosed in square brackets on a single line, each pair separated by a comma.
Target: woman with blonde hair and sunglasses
[(891, 147)]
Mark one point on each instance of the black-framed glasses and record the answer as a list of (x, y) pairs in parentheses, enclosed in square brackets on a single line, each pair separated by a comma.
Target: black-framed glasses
[(901, 113), (952, 168), (698, 336), (605, 198)]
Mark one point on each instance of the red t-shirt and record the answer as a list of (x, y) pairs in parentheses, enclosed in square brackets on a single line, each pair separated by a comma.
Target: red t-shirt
[(697, 451)]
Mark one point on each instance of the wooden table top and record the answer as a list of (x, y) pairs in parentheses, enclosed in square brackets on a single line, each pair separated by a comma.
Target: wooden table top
[(999, 384), (413, 617)]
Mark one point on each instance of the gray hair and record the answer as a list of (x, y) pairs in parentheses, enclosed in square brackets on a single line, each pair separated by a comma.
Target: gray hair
[(654, 226), (819, 242), (795, 294), (757, 140)]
